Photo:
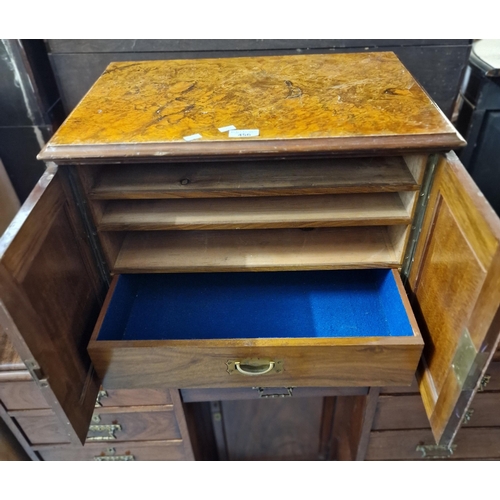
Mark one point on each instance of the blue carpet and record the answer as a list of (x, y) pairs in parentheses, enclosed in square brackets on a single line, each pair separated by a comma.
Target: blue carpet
[(360, 303)]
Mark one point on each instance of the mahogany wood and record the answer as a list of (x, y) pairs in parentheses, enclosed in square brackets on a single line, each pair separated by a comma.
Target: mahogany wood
[(407, 412), (144, 450), (199, 395), (22, 396), (50, 294), (274, 429), (352, 423), (10, 449), (134, 397), (470, 443)]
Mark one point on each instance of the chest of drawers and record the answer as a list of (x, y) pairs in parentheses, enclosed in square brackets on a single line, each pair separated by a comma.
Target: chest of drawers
[(274, 258)]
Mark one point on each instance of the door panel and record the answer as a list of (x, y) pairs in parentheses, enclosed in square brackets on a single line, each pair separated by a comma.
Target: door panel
[(50, 296), (454, 290)]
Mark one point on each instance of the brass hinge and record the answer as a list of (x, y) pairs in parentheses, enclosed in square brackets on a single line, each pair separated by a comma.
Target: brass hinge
[(436, 450), (484, 382), (36, 373), (464, 357)]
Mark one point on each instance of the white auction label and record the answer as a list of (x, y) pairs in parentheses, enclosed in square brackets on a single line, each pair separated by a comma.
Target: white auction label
[(244, 133), (192, 137), (227, 129)]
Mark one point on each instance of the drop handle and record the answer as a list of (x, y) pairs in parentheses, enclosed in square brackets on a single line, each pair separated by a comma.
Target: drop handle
[(254, 366), (252, 370)]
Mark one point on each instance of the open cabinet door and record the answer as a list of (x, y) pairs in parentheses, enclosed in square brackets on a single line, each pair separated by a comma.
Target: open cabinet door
[(454, 287), (50, 296)]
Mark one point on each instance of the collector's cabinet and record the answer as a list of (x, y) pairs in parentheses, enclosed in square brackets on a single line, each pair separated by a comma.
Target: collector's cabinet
[(272, 239)]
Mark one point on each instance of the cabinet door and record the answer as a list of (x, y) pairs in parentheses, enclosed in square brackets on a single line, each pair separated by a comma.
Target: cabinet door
[(454, 287), (50, 296)]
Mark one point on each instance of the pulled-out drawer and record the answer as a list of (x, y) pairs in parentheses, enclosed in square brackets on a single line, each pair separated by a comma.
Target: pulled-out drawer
[(303, 328), (117, 452)]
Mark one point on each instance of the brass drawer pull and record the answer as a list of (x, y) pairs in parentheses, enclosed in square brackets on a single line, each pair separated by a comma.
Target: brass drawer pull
[(287, 394), (100, 395), (253, 370), (109, 455), (117, 458), (254, 367), (103, 432)]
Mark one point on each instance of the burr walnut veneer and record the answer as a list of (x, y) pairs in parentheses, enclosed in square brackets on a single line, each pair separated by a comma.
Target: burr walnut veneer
[(276, 258)]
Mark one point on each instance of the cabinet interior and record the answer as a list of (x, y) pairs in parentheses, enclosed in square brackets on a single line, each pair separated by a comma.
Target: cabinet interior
[(339, 213)]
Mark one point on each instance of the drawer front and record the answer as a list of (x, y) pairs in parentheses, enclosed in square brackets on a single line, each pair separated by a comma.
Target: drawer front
[(133, 397), (144, 451), (133, 426), (365, 364), (22, 396), (407, 412), (493, 377), (105, 427), (199, 395), (409, 445), (42, 429)]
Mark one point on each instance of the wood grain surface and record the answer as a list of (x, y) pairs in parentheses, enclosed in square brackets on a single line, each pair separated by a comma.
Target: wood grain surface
[(454, 288), (345, 99), (257, 250), (276, 429), (140, 451), (255, 213), (250, 178)]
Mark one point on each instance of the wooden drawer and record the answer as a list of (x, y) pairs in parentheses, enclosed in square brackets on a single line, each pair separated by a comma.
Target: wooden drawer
[(22, 396), (41, 427), (493, 377), (133, 397), (157, 423), (407, 445), (407, 412), (153, 450), (337, 328)]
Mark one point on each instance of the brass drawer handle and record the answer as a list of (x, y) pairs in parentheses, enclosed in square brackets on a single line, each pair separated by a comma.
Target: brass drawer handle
[(116, 458), (262, 393), (109, 455), (100, 395), (103, 432), (247, 369), (254, 366)]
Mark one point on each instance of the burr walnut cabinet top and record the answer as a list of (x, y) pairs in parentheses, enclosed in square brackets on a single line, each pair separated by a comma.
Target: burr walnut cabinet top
[(332, 103)]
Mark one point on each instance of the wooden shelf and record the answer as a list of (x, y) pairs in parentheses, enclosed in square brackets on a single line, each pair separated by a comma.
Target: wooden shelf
[(257, 250), (253, 178), (255, 213)]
